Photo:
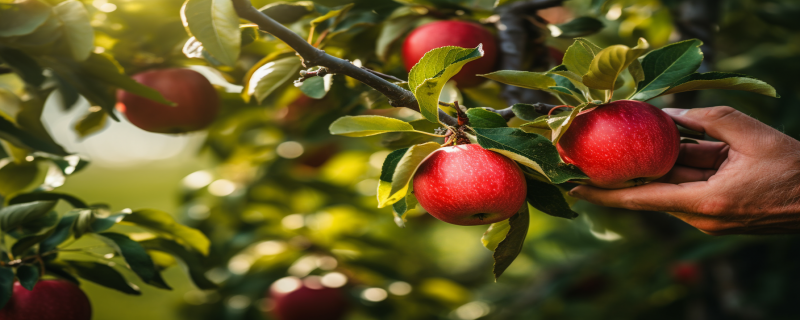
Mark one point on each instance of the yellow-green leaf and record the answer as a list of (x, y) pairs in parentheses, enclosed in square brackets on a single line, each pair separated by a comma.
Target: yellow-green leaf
[(579, 56), (722, 80), (362, 126), (523, 79), (215, 24), (609, 64), (397, 189), (430, 74)]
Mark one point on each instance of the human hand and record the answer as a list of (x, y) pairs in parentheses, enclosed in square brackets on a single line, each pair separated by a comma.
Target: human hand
[(749, 183)]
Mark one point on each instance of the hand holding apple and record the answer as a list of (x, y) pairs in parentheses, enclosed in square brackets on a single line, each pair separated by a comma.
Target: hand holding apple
[(745, 184)]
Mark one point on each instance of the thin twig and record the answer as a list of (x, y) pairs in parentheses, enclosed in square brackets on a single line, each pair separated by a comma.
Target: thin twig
[(383, 75)]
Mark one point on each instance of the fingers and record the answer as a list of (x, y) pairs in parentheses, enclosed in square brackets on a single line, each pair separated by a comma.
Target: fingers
[(681, 174), (722, 123), (654, 196), (706, 154)]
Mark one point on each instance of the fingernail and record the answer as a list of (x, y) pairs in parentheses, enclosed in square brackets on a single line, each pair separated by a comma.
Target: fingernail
[(675, 112)]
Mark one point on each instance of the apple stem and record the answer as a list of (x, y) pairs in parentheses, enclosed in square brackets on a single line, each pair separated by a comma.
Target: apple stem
[(550, 113)]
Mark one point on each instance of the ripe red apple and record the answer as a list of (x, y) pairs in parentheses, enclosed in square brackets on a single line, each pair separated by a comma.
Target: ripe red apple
[(469, 185), (49, 300), (196, 102), (621, 144), (307, 299), (685, 272), (453, 33)]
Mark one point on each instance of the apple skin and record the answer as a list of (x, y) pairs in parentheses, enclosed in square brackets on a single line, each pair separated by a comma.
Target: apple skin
[(306, 303), (469, 185), (686, 272), (621, 144), (49, 300), (197, 102), (453, 33)]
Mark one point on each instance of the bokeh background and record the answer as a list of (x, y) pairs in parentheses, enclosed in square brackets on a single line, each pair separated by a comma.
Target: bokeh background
[(278, 196)]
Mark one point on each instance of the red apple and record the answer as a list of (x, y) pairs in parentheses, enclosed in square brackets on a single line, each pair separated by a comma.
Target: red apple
[(49, 300), (621, 144), (308, 299), (469, 185), (685, 272), (196, 102), (453, 33)]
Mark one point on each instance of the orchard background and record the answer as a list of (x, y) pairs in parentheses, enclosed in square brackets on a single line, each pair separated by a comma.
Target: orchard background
[(277, 195)]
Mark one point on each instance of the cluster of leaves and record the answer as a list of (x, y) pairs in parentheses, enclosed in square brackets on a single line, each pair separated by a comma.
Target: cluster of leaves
[(37, 240)]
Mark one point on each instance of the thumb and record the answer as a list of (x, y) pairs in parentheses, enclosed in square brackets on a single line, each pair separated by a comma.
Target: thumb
[(723, 123)]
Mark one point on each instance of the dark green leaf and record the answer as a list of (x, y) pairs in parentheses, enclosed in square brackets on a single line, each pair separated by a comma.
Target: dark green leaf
[(390, 32), (508, 249), (721, 80), (390, 164), (165, 224), (103, 224), (317, 87), (23, 139), (51, 196), (548, 198), (137, 258), (6, 285), (529, 149), (57, 269), (69, 94), (26, 243), (578, 27), (285, 13), (193, 261), (16, 215), (525, 111), (667, 65), (27, 68), (83, 221), (61, 233), (482, 118), (34, 227), (28, 276), (103, 275)]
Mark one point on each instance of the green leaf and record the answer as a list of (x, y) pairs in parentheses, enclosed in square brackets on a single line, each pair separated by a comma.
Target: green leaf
[(430, 74), (28, 242), (28, 276), (495, 234), (609, 63), (667, 65), (23, 139), (529, 149), (77, 30), (509, 248), (16, 215), (567, 96), (21, 18), (92, 122), (636, 72), (48, 196), (578, 27), (215, 24), (60, 234), (165, 224), (362, 126), (338, 13), (103, 275), (286, 12), (103, 224), (137, 258), (400, 208), (548, 198), (317, 87), (401, 165), (57, 269), (397, 140), (15, 177), (523, 79), (482, 118), (26, 67), (104, 68), (579, 56), (721, 80), (568, 79), (192, 261), (272, 75), (560, 126), (6, 285), (390, 32), (525, 111)]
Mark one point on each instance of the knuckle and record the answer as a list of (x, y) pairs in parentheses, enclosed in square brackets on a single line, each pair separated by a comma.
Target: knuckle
[(721, 112)]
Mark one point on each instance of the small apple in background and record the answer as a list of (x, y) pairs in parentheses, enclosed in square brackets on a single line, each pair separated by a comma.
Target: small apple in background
[(621, 144), (49, 300), (686, 272), (469, 185), (307, 299), (453, 33), (196, 102)]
